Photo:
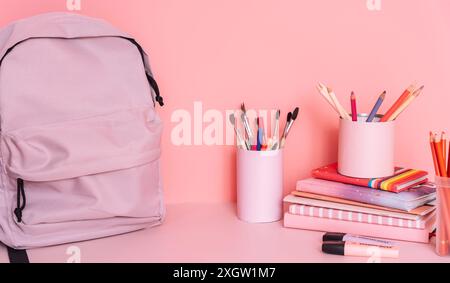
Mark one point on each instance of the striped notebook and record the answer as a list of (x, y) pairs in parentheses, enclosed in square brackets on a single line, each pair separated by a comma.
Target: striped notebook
[(402, 179), (337, 214), (359, 228)]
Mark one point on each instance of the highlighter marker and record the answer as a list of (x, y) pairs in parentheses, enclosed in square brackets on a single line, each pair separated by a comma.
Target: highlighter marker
[(341, 237), (358, 249)]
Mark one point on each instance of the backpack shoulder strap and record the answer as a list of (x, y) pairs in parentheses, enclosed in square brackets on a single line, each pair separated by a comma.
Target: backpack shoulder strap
[(17, 256)]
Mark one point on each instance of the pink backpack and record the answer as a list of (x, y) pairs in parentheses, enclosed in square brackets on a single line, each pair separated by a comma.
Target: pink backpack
[(80, 138)]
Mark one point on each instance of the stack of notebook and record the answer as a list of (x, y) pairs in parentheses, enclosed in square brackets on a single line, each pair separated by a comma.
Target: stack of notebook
[(398, 207)]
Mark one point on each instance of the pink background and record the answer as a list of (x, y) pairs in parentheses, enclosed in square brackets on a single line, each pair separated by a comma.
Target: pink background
[(270, 53)]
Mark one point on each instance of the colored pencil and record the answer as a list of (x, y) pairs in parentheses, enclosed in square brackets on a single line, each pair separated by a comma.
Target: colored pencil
[(448, 160), (376, 107), (440, 156), (433, 154), (343, 113), (444, 145), (353, 104), (406, 103), (324, 92), (397, 103)]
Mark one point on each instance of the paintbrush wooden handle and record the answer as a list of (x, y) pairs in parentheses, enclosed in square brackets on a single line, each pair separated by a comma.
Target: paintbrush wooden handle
[(247, 127)]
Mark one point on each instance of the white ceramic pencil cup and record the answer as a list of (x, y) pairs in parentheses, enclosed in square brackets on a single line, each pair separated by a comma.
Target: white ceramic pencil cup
[(259, 186), (366, 150)]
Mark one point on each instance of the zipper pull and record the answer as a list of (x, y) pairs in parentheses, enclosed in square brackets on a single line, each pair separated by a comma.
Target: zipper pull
[(21, 200), (155, 88)]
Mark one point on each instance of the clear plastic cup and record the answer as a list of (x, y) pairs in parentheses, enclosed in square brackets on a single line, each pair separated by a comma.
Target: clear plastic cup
[(443, 216)]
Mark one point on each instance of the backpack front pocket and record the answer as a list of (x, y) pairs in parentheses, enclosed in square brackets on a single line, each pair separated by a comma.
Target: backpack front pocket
[(94, 168)]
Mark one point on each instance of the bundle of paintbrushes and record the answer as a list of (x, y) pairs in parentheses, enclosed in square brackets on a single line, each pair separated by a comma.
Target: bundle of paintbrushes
[(258, 139), (392, 114), (438, 145)]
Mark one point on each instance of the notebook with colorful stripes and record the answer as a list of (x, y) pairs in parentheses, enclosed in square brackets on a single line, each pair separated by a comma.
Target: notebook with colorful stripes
[(402, 179)]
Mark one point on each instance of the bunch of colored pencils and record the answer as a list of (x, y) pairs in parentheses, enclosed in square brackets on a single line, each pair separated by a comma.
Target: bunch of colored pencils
[(439, 150), (438, 145), (259, 142), (392, 114)]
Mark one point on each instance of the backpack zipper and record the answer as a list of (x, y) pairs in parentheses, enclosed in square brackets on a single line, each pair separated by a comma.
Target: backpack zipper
[(148, 74), (21, 200)]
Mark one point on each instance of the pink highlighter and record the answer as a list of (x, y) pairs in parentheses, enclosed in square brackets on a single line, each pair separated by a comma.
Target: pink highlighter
[(359, 249)]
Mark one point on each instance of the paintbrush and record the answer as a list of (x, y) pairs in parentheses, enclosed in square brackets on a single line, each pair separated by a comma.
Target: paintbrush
[(288, 127), (293, 118), (246, 123), (241, 142), (276, 131), (288, 120)]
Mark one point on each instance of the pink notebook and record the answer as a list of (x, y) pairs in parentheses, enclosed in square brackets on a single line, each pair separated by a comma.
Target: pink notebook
[(419, 211), (291, 199), (363, 229), (351, 216), (406, 200)]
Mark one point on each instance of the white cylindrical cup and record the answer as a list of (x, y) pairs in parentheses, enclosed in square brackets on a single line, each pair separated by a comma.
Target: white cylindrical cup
[(260, 185), (366, 150)]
